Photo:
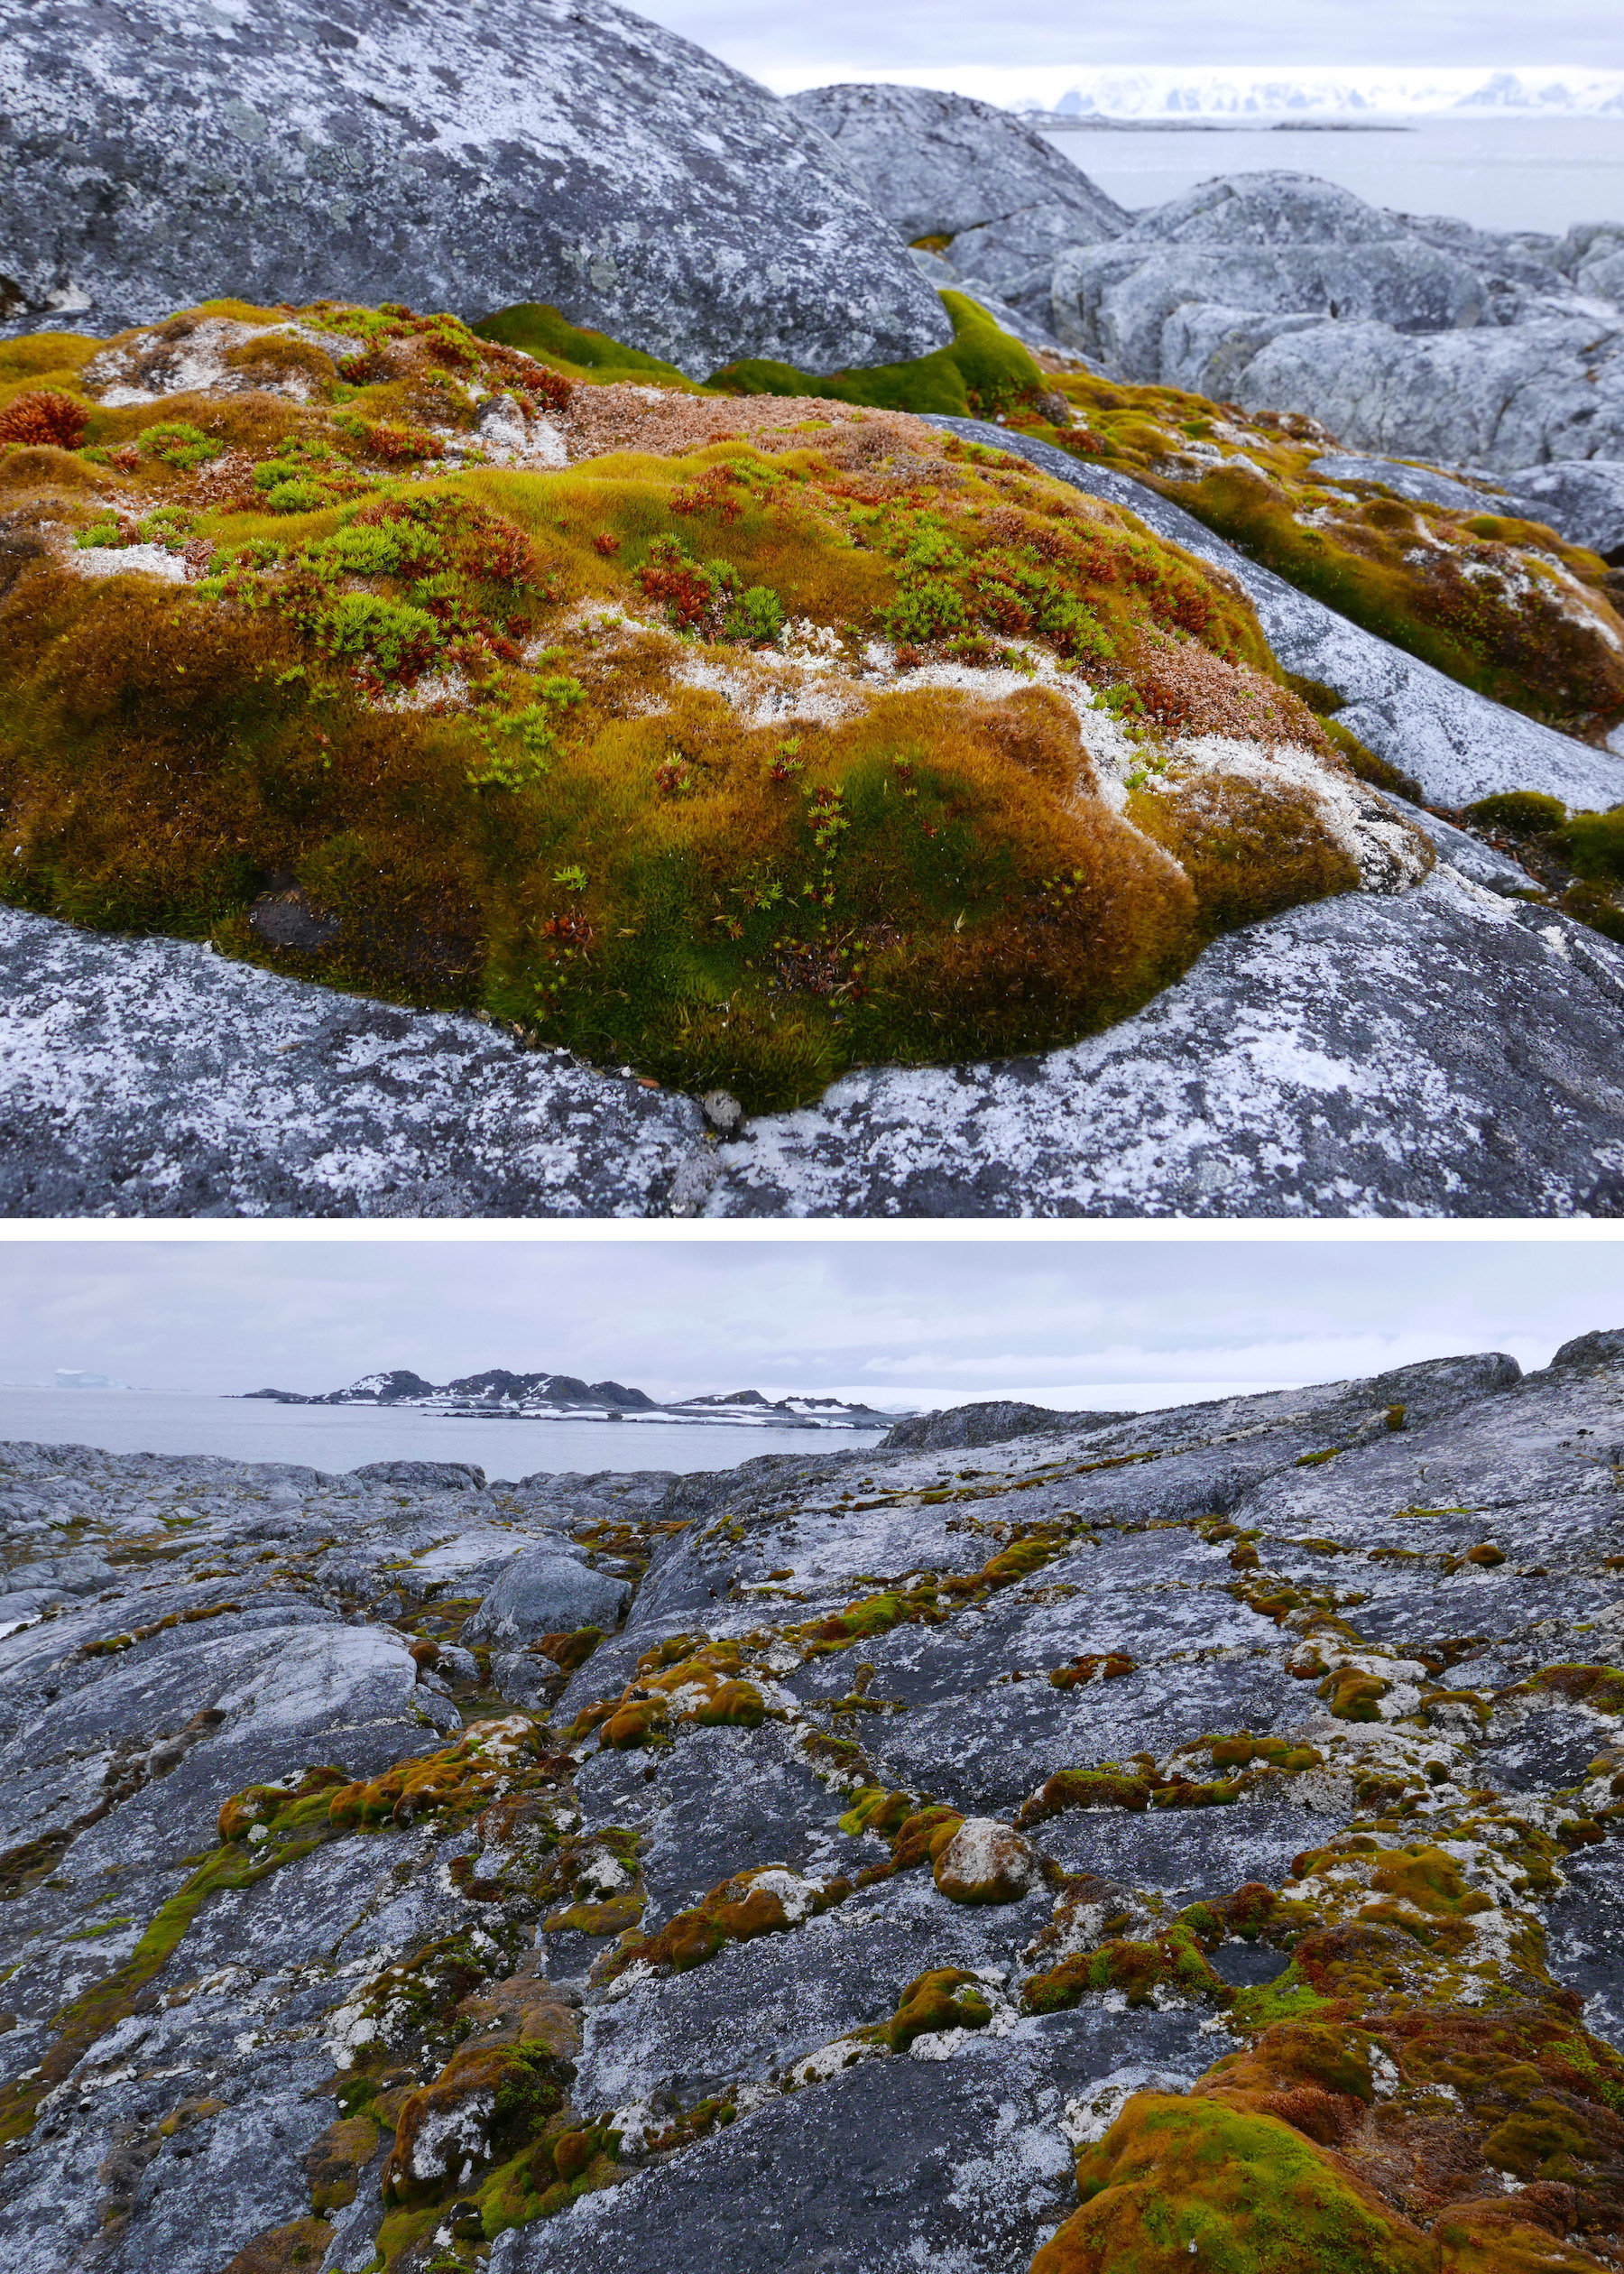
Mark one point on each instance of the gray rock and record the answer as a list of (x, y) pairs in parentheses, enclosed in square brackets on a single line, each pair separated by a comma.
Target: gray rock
[(1551, 389), (1032, 331), (1014, 258), (993, 1421), (152, 1078), (1421, 338), (424, 1476), (455, 158), (544, 1591), (1423, 483), (1582, 499), (189, 2116), (1455, 744), (1277, 243), (937, 163)]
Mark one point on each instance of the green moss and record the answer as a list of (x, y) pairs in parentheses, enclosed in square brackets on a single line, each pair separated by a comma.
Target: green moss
[(983, 371), (1175, 1959), (400, 695), (947, 1998), (537, 329), (1250, 2193)]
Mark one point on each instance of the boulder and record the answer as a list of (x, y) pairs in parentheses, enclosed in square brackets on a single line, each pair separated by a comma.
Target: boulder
[(1581, 499), (1499, 399), (937, 163), (986, 1863), (1274, 243), (424, 1476), (546, 1591), (464, 158)]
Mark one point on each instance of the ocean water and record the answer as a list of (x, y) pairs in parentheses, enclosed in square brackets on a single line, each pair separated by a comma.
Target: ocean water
[(338, 1438), (1498, 173)]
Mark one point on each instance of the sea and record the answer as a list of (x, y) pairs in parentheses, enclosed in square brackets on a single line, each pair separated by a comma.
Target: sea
[(1505, 172), (338, 1438)]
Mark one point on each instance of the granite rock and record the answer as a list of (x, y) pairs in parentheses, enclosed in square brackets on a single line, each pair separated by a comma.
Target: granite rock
[(1276, 243), (464, 158), (937, 163), (544, 1591), (225, 1998)]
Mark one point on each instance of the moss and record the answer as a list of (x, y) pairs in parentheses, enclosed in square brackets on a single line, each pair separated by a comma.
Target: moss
[(1110, 1667), (739, 1909), (1085, 1789), (982, 371), (480, 1765), (1248, 2191), (1354, 1696), (1600, 1687), (947, 1998), (537, 330), (1175, 1960), (398, 696)]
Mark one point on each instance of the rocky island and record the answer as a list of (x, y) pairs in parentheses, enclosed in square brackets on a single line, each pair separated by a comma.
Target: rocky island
[(949, 719), (1042, 1842)]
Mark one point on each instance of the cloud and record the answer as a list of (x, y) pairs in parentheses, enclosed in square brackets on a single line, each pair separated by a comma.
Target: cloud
[(902, 1321), (845, 40)]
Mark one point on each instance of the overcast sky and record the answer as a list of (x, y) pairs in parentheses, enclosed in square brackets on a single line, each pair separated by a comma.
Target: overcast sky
[(899, 1323), (845, 39)]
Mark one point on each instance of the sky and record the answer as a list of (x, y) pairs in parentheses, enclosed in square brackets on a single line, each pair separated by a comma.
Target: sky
[(903, 1323), (845, 39)]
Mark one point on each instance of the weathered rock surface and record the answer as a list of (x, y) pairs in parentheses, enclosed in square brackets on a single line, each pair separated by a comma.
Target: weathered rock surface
[(1421, 338), (993, 1422), (937, 164), (1582, 499), (1275, 243), (1451, 1053), (545, 1591), (1455, 744), (457, 157), (153, 1078), (1553, 389), (1265, 1700)]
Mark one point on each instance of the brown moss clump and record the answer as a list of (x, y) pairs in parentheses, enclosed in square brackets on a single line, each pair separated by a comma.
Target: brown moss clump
[(766, 1901), (43, 416)]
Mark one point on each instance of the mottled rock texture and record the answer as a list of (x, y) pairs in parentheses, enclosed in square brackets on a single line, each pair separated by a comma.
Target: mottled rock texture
[(929, 1820), (153, 1078), (1426, 339), (938, 164), (455, 157)]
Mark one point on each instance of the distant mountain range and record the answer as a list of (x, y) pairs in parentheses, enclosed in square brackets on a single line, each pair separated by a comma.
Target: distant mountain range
[(498, 1395), (1167, 94)]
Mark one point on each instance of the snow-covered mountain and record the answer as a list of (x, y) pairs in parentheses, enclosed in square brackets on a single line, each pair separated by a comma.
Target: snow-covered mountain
[(550, 1397), (1343, 94)]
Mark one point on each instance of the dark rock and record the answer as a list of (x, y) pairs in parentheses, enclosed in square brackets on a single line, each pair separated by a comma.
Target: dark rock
[(1602, 1352), (459, 159), (287, 919), (424, 1476), (544, 1591), (1582, 499), (995, 1421)]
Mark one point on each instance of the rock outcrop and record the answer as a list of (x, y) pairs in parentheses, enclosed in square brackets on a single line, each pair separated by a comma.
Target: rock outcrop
[(980, 1860), (458, 157), (1424, 338), (942, 165)]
